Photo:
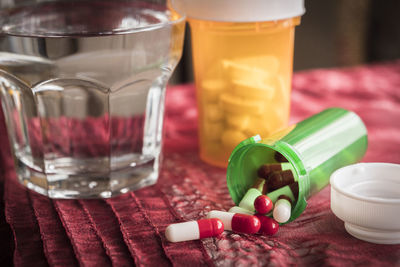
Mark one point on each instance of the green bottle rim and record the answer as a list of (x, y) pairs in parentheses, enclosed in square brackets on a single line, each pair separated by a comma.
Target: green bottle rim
[(240, 177), (315, 147)]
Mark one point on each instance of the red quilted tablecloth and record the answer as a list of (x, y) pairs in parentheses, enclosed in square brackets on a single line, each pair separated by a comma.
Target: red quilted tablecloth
[(129, 229)]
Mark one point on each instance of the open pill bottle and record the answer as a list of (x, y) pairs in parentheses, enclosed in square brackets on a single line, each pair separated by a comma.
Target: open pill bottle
[(242, 57), (315, 148)]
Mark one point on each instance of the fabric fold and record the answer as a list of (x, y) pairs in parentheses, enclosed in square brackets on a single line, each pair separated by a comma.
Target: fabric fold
[(28, 250), (107, 227), (56, 244), (143, 241), (88, 246)]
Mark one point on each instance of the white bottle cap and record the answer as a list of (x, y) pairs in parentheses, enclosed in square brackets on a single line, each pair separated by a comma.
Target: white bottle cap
[(366, 196), (240, 10)]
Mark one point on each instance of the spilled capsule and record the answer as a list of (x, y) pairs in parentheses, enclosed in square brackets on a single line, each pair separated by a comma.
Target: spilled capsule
[(237, 222), (236, 209), (282, 209), (263, 204), (268, 225), (194, 230), (248, 199)]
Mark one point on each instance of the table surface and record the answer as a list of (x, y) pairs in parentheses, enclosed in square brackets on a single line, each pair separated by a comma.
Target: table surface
[(129, 229)]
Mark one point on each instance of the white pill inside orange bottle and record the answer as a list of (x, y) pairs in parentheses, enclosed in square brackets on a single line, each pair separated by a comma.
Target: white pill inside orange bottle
[(194, 230)]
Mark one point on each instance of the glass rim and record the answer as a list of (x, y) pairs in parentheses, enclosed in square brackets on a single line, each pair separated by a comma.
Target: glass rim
[(171, 21)]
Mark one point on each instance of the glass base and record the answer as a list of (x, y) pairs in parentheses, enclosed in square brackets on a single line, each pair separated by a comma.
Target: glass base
[(89, 184)]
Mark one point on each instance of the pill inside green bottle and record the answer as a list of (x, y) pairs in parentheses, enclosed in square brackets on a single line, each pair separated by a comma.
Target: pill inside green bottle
[(313, 149)]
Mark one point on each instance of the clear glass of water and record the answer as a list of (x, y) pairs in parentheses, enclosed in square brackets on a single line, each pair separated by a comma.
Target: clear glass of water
[(82, 86)]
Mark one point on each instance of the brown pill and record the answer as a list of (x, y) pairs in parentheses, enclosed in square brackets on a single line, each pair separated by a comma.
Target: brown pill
[(280, 158), (266, 169), (295, 189), (286, 197), (265, 188), (279, 179), (259, 184)]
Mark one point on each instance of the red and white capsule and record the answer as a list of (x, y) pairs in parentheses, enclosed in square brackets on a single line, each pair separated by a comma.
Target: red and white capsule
[(268, 225), (241, 223), (282, 210), (263, 204), (194, 230)]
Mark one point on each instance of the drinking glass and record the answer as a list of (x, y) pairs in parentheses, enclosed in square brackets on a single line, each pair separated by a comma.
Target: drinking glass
[(82, 87)]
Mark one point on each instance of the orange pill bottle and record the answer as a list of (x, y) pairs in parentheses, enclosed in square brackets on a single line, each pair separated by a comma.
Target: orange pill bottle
[(243, 58)]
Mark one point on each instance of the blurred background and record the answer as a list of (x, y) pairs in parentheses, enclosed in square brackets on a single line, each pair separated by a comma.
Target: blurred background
[(333, 33)]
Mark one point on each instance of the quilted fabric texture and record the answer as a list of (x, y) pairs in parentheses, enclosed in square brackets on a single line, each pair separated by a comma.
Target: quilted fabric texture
[(129, 230)]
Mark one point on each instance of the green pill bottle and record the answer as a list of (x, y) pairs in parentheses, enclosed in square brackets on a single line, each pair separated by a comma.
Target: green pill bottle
[(315, 148)]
